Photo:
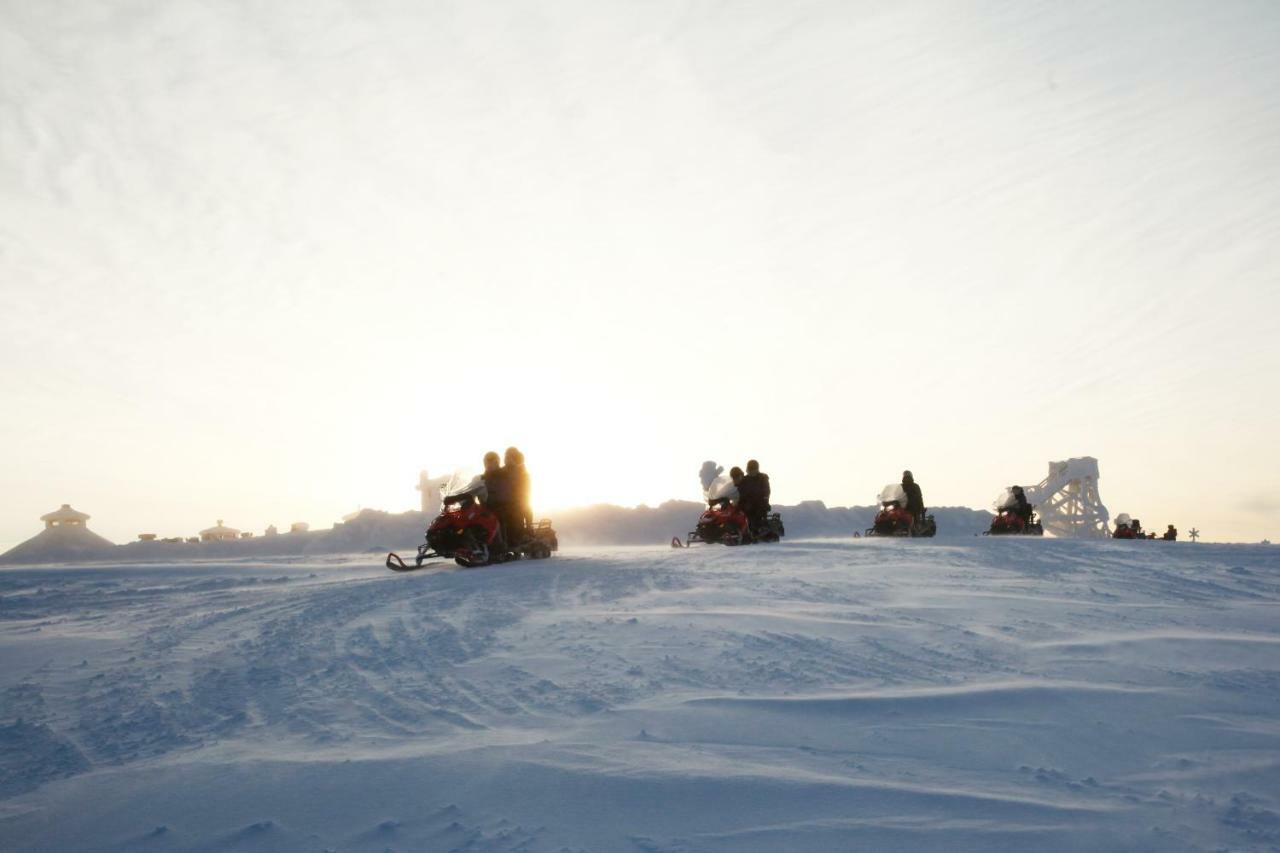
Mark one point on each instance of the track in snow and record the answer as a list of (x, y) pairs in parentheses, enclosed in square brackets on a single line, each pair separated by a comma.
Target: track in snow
[(807, 696)]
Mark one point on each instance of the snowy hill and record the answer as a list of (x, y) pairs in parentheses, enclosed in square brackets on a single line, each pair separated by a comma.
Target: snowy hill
[(972, 695), (375, 530), (614, 525), (60, 544)]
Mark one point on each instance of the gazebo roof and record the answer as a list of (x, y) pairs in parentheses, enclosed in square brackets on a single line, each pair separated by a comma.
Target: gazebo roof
[(65, 513), (219, 528)]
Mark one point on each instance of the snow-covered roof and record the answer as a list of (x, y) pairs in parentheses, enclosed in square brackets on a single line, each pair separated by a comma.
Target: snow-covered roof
[(219, 528), (65, 513)]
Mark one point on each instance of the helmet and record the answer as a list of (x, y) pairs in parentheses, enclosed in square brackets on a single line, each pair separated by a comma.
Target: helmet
[(491, 460), (906, 475), (735, 473), (513, 457), (753, 467)]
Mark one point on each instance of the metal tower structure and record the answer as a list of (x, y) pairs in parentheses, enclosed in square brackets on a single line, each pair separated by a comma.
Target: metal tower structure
[(1068, 502)]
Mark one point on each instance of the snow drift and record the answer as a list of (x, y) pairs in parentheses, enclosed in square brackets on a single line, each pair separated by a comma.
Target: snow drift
[(886, 695)]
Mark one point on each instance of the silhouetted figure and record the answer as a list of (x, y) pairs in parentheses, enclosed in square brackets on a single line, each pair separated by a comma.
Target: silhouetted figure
[(521, 509), (1136, 527), (915, 498), (497, 486), (1021, 506), (1170, 535), (753, 496)]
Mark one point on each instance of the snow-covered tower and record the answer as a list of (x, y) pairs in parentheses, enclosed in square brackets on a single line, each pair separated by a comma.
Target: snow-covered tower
[(1068, 502), (430, 488), (65, 537), (64, 516)]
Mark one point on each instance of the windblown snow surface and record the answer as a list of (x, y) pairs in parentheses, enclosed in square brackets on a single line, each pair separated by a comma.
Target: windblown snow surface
[(856, 695)]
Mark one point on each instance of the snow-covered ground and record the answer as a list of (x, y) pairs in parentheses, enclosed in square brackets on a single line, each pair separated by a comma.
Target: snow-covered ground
[(974, 695)]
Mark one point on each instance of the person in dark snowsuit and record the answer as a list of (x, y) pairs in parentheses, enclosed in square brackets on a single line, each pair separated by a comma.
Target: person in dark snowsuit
[(915, 498), (521, 510), (497, 486), (1022, 507), (753, 496), (1170, 535)]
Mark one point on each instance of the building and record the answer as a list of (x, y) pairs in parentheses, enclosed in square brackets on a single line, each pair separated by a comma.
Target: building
[(65, 537), (64, 516), (430, 488), (219, 533)]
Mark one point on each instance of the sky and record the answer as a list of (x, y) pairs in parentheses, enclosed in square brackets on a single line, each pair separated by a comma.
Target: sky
[(264, 261)]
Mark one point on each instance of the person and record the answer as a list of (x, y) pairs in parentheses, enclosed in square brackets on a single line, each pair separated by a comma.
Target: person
[(497, 487), (1170, 535), (1021, 506), (521, 510), (915, 498), (736, 475), (753, 495), (1136, 527), (1123, 530)]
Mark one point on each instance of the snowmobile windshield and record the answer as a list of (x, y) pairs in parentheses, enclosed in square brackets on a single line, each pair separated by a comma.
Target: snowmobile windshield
[(721, 487), (1007, 500), (893, 492), (460, 485)]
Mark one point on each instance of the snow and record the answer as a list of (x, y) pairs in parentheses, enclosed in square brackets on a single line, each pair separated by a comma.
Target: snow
[(884, 695)]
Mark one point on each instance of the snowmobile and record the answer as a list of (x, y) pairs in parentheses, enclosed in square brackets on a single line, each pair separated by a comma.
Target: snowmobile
[(1007, 521), (1127, 528), (893, 518), (470, 533), (723, 522)]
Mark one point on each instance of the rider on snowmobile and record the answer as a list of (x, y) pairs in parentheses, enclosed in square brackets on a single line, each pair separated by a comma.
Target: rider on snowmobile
[(1022, 507), (753, 495), (736, 475), (1170, 535), (517, 477), (915, 498), (497, 485)]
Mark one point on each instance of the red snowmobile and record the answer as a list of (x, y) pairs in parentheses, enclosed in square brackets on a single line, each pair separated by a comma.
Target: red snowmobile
[(893, 519), (1127, 528), (721, 522), (724, 523), (1008, 522), (469, 532)]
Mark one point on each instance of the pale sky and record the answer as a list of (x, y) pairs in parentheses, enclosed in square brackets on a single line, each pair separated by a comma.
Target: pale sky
[(263, 261)]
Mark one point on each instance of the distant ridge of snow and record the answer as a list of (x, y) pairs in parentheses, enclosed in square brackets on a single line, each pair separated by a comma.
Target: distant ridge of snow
[(605, 524), (58, 544), (376, 530)]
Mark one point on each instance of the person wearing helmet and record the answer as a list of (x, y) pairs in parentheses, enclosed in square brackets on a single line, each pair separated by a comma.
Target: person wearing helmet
[(521, 511), (753, 496), (497, 487), (1022, 507), (1170, 535), (915, 498)]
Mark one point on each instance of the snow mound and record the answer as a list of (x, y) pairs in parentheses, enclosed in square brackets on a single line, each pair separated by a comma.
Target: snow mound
[(62, 543), (971, 695)]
